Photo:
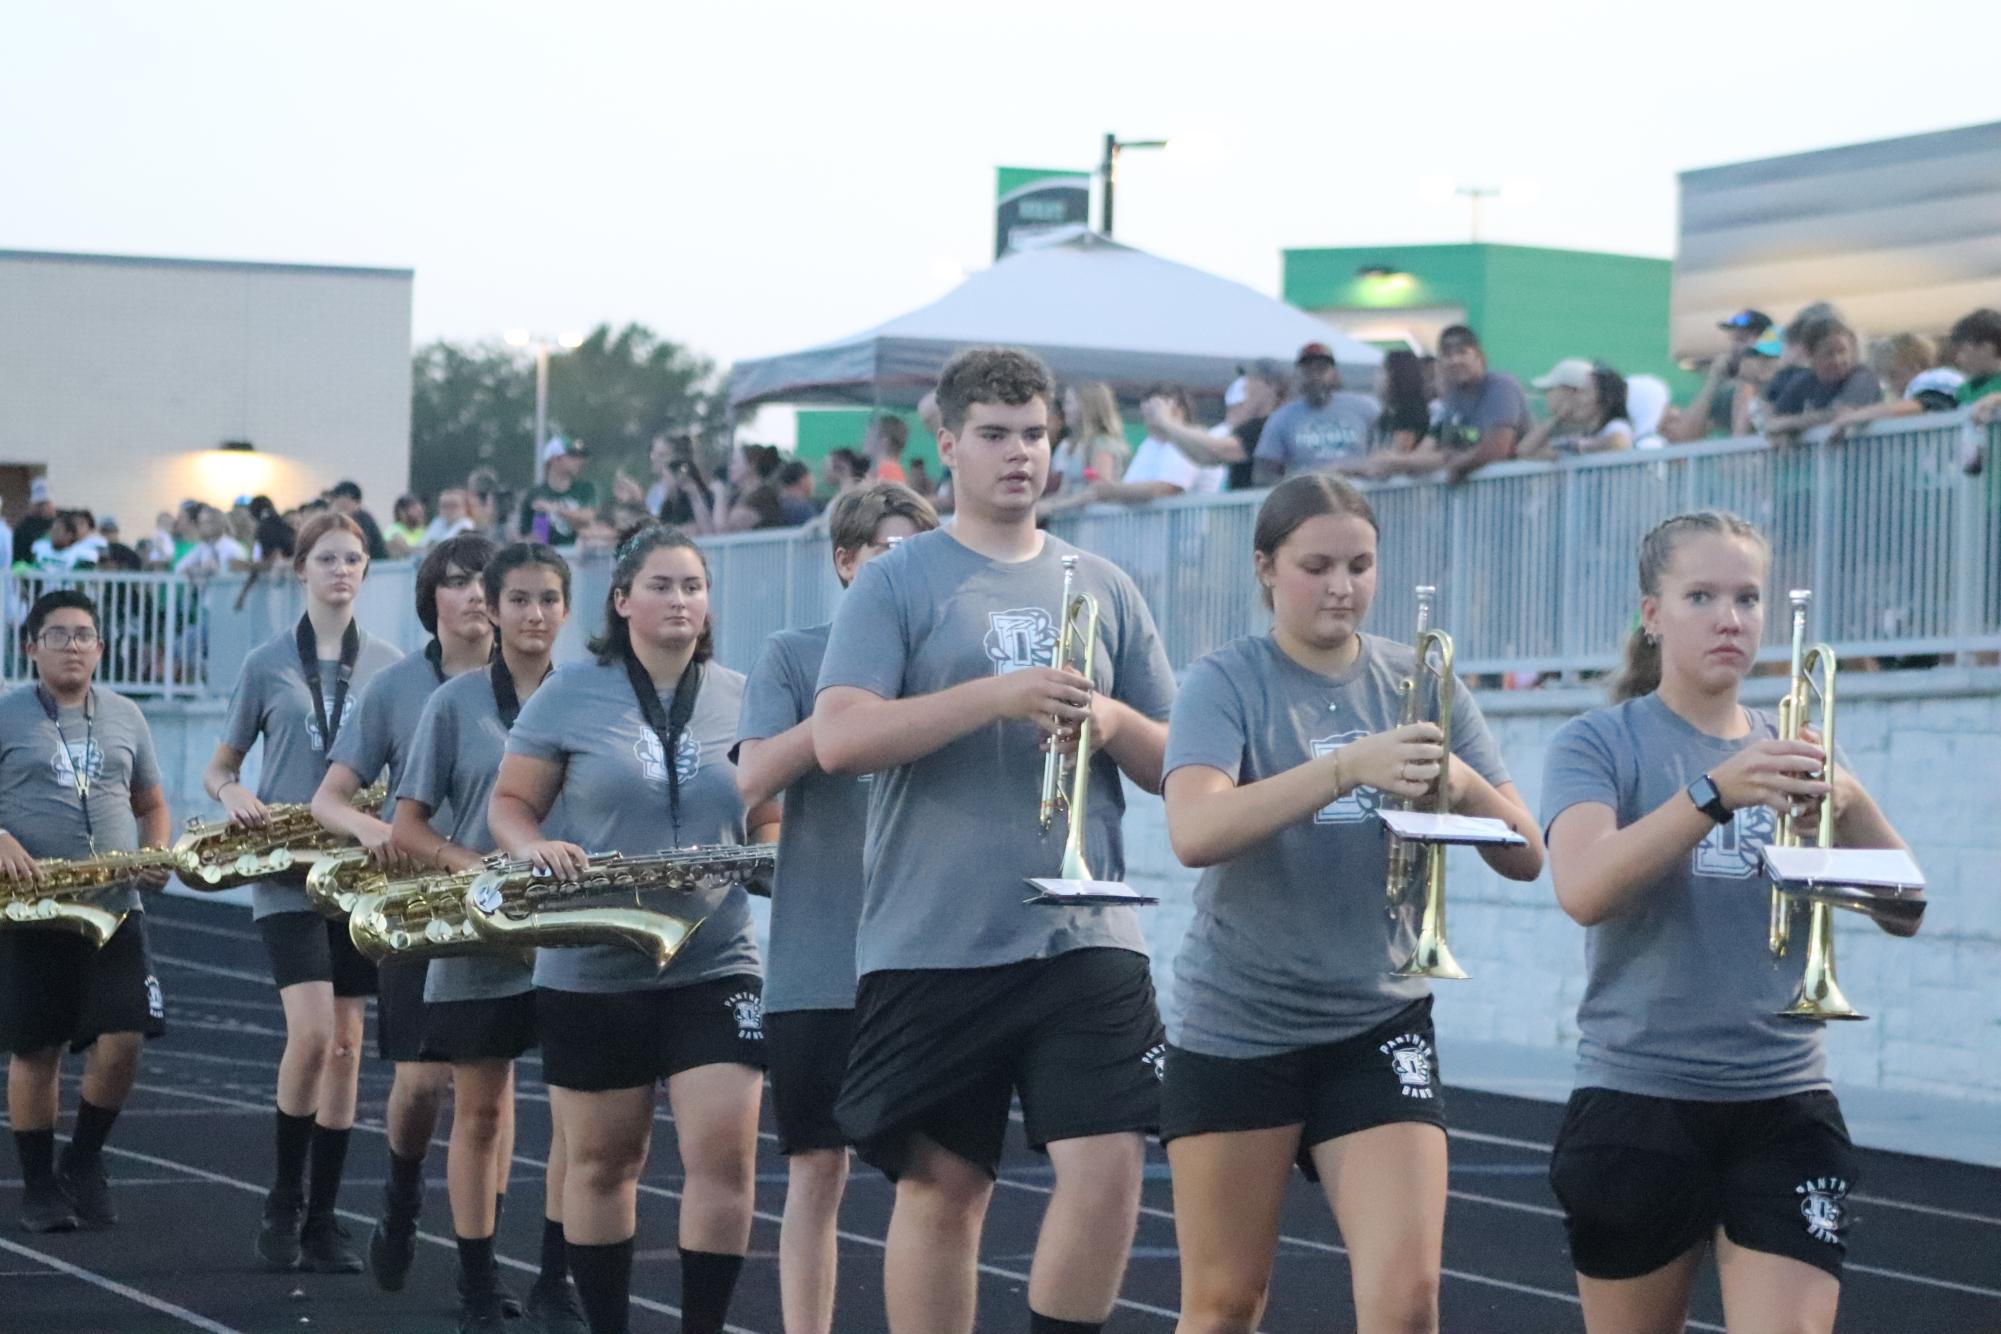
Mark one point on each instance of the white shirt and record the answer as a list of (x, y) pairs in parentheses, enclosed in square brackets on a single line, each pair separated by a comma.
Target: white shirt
[(438, 530), (1939, 379), (1157, 461), (212, 557)]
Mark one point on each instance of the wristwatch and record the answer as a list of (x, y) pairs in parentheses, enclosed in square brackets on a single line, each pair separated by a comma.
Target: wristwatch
[(1708, 800)]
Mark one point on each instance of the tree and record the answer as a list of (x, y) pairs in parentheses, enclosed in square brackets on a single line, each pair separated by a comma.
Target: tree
[(473, 405)]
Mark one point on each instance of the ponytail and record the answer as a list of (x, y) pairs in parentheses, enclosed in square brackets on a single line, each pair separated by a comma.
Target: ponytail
[(1641, 672)]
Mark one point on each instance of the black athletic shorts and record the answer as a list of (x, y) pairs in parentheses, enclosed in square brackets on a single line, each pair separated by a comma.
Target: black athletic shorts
[(56, 987), (809, 1057), (1642, 1179), (306, 947), (464, 1031), (1378, 1078), (399, 1009), (942, 1052), (596, 1041)]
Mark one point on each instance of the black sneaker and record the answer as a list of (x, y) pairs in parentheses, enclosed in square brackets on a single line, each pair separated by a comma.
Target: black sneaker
[(324, 1248), (481, 1314), (81, 1176), (510, 1305), (553, 1309), (44, 1208), (392, 1246), (278, 1237)]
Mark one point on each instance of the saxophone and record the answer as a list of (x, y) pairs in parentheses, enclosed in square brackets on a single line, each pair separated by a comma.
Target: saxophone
[(224, 855), (338, 881), (52, 900), (519, 905), (420, 918)]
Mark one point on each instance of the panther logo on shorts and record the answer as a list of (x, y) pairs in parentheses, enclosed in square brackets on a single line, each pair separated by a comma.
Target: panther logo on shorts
[(1024, 637), (748, 1007), (1823, 1204), (156, 1004), (687, 757), (1360, 803), (1410, 1057), (1156, 1056)]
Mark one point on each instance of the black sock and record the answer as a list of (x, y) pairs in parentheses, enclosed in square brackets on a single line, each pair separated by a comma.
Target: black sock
[(707, 1280), (295, 1136), (93, 1123), (604, 1285), (406, 1175), (555, 1256), (329, 1161), (477, 1273), (1049, 1324), (38, 1156)]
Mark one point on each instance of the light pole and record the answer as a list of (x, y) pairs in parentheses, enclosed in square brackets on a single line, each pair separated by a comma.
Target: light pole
[(1474, 194), (541, 344), (1109, 169)]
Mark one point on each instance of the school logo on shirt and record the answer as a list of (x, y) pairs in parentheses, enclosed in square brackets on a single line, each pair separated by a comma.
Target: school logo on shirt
[(1357, 805), (747, 1007), (84, 756), (156, 1004), (1024, 637), (1156, 1056), (1824, 1206), (1411, 1059), (313, 737), (1733, 850), (687, 757)]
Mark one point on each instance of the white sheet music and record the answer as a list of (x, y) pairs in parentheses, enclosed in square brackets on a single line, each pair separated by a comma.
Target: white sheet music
[(1430, 827), (1088, 892), (1868, 868)]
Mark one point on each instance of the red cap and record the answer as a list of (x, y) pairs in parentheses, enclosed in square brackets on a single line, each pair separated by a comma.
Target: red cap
[(1314, 351)]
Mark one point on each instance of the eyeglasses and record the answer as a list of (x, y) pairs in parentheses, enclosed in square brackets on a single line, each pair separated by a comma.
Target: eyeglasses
[(60, 637)]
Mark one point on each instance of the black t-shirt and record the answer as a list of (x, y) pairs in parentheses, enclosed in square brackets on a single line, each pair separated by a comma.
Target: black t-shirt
[(1412, 417), (32, 529), (581, 495), (377, 548), (763, 498), (275, 537), (1238, 476)]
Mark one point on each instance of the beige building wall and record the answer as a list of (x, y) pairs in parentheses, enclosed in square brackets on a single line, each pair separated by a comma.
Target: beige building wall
[(121, 377)]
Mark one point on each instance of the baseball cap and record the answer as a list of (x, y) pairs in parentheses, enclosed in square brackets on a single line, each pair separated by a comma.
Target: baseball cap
[(38, 491), (1767, 346), (1313, 352), (1570, 373), (558, 447), (1754, 321), (1238, 391)]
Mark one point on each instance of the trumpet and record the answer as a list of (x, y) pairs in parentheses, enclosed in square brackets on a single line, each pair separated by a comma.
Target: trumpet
[(223, 854), (1410, 861), (1813, 674), (1066, 783), (515, 904), (52, 901)]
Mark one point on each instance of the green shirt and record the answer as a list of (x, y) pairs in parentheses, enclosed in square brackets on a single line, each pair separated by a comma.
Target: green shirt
[(581, 494), (1973, 390)]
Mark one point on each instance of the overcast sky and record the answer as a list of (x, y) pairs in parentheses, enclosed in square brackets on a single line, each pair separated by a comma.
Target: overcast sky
[(751, 178)]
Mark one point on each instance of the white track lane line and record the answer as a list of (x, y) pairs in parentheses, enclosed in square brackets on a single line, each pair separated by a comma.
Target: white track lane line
[(113, 1286)]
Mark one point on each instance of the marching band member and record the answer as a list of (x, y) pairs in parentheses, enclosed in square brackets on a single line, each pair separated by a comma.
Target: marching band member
[(636, 744), (451, 606), (937, 680), (816, 906), (1294, 1040), (1700, 1117), (77, 778), (295, 692), (479, 1010)]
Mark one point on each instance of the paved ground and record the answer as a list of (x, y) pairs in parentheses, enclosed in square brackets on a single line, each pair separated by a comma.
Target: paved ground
[(191, 1154)]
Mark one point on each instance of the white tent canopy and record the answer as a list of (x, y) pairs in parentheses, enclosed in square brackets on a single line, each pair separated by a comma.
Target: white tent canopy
[(1093, 309)]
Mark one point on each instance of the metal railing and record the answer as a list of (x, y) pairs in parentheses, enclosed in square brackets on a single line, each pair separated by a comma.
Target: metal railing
[(1534, 562)]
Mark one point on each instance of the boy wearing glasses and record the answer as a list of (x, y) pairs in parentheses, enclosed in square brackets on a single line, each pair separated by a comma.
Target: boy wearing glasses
[(77, 779)]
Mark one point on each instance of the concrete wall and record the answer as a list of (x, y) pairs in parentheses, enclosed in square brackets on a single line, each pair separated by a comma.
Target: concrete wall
[(121, 377)]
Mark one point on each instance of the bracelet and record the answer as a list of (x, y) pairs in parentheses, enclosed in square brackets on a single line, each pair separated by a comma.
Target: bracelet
[(1339, 791), (224, 786)]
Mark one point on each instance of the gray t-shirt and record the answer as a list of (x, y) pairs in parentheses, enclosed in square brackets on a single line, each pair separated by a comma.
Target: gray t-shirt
[(816, 899), (39, 763), (1465, 415), (375, 741), (614, 799), (1680, 991), (1303, 438), (952, 836), (272, 701), (454, 759), (1291, 945)]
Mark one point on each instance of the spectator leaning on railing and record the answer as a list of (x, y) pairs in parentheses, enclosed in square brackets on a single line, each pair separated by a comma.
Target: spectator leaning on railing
[(1325, 429), (1913, 383), (1976, 350), (1248, 404), (1158, 470), (1587, 413), (1406, 400), (1482, 415), (346, 497), (1096, 448), (1835, 379)]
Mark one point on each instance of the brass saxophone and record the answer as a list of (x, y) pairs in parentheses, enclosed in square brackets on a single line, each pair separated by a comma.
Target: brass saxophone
[(339, 879), (52, 900), (519, 905), (224, 855), (423, 917)]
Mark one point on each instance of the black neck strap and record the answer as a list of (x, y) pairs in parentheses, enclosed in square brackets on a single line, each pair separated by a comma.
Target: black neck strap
[(506, 698), (79, 765), (668, 725), (309, 667), (434, 653)]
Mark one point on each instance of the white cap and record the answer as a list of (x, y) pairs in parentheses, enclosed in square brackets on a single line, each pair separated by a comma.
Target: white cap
[(38, 490), (1239, 390), (555, 449), (1570, 373)]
